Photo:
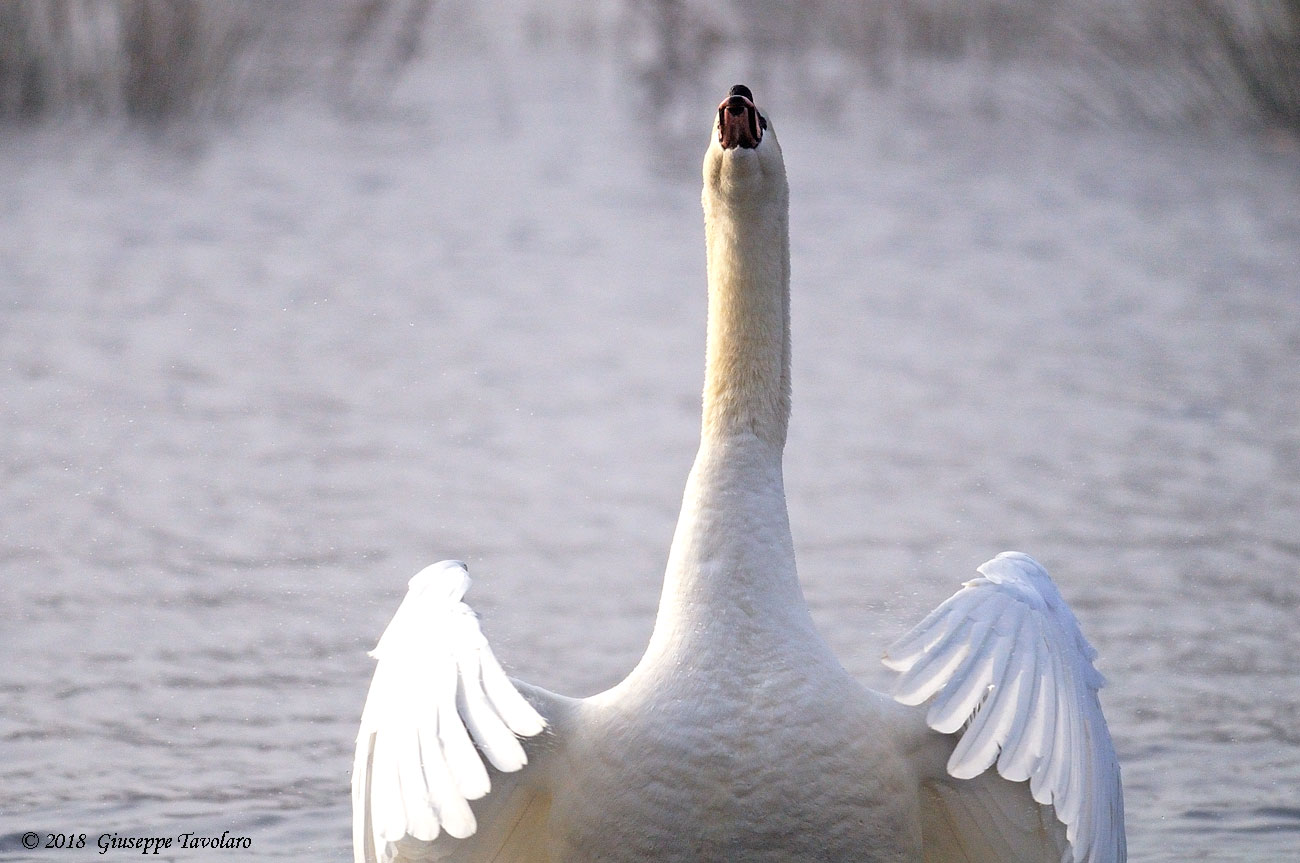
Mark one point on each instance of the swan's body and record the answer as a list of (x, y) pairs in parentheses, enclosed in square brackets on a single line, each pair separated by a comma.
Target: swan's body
[(739, 736)]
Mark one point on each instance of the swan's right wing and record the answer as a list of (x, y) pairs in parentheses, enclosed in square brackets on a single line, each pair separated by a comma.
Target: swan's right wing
[(439, 704), (1005, 663)]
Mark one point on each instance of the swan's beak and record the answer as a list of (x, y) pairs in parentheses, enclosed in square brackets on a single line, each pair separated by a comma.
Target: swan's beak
[(739, 123)]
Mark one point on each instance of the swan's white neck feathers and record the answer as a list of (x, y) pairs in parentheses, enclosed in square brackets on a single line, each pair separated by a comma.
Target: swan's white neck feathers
[(731, 583), (746, 223)]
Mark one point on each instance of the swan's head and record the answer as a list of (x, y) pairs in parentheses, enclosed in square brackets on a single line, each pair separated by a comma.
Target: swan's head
[(743, 161), (740, 123)]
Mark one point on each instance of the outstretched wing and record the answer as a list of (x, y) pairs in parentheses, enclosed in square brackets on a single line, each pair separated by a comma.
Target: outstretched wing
[(1004, 657), (438, 699)]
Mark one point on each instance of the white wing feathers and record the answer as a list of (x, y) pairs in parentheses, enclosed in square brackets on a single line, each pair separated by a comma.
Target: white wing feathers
[(1006, 655), (437, 691)]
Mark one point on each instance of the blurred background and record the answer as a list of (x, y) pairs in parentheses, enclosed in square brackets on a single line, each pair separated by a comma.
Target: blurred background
[(1206, 63), (296, 298)]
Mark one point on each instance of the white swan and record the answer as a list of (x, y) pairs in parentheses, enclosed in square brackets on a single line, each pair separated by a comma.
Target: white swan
[(739, 736)]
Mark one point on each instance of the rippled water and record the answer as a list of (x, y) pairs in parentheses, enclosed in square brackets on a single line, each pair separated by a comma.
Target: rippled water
[(252, 380)]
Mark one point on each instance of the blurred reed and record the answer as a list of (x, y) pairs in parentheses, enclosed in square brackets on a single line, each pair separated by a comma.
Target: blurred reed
[(1196, 62), (1203, 62), (154, 60)]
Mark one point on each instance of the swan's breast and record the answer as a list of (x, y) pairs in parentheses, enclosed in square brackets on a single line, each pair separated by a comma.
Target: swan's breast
[(705, 768)]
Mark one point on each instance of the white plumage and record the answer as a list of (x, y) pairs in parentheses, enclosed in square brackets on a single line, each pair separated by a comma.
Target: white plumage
[(738, 736), (1006, 654), (436, 688)]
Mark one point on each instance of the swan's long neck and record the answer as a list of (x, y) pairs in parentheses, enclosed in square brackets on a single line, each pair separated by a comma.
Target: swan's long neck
[(747, 364), (731, 589)]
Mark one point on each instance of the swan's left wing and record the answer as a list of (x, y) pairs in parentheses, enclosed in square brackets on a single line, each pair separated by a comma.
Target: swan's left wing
[(1005, 658), (439, 704)]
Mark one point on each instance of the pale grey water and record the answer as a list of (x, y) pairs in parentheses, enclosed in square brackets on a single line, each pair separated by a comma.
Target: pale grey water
[(254, 379)]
